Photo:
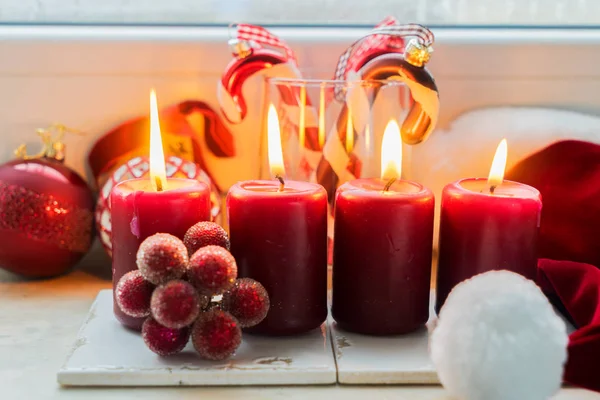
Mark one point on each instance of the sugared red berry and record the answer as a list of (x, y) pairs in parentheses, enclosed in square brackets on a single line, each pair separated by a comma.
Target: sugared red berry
[(162, 340), (216, 334), (247, 301), (212, 270), (161, 258), (133, 294), (205, 233), (175, 304)]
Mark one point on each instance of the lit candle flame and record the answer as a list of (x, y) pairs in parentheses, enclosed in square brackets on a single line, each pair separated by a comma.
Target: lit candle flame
[(496, 175), (391, 152), (158, 173), (274, 143)]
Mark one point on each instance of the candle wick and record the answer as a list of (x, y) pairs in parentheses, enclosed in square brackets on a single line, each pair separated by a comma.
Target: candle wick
[(492, 189), (281, 182), (389, 184), (159, 186)]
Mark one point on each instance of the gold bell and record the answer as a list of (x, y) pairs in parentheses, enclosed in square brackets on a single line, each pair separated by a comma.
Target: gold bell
[(417, 54), (239, 48)]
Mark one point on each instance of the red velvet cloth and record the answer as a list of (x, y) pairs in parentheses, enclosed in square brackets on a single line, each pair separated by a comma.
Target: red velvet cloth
[(576, 288), (567, 174)]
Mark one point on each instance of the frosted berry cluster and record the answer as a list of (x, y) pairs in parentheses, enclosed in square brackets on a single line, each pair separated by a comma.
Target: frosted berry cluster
[(176, 286)]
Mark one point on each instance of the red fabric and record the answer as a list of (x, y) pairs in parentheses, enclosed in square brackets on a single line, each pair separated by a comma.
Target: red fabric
[(567, 174), (576, 286)]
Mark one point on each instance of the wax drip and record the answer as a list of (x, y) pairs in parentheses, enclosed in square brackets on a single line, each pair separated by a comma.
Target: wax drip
[(134, 224)]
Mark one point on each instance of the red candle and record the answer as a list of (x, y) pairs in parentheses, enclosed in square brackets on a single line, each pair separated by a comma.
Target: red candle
[(278, 234), (143, 207), (382, 250), (487, 225)]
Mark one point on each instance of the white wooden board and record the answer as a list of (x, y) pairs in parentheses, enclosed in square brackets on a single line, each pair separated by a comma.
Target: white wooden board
[(402, 359), (106, 354), (389, 360), (383, 360)]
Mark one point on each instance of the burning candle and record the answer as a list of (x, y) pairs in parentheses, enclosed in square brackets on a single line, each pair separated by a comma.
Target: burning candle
[(487, 225), (143, 207), (278, 232), (382, 249)]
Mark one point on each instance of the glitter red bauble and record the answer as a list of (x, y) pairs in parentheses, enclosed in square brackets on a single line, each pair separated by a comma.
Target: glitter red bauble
[(133, 294), (139, 167), (162, 340), (205, 233), (46, 217), (175, 304), (247, 301), (216, 335), (162, 257), (212, 270)]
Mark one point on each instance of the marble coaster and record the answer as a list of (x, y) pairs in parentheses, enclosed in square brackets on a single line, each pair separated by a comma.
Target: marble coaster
[(106, 354), (402, 359)]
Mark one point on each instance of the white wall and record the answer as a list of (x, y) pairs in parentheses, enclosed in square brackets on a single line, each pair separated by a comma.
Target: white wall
[(305, 11), (94, 78)]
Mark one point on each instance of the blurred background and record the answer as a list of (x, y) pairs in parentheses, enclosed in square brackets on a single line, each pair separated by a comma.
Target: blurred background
[(311, 12)]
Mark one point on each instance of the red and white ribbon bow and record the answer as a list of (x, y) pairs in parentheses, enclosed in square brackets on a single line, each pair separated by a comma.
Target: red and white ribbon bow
[(260, 35), (370, 45)]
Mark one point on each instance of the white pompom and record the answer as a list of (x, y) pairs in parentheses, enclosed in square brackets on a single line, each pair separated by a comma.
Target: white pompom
[(498, 338)]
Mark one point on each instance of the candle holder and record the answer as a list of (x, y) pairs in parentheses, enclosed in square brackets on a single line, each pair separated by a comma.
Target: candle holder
[(331, 130)]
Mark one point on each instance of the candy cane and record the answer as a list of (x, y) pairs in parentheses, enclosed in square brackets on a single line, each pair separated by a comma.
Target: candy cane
[(251, 57), (408, 68)]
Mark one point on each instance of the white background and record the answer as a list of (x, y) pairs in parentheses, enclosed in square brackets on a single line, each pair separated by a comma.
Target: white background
[(93, 78), (305, 11)]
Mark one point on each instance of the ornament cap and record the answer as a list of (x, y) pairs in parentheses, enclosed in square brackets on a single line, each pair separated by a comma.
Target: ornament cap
[(417, 53), (52, 144), (240, 48)]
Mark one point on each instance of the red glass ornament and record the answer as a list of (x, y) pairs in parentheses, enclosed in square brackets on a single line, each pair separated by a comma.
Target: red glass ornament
[(46, 217)]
